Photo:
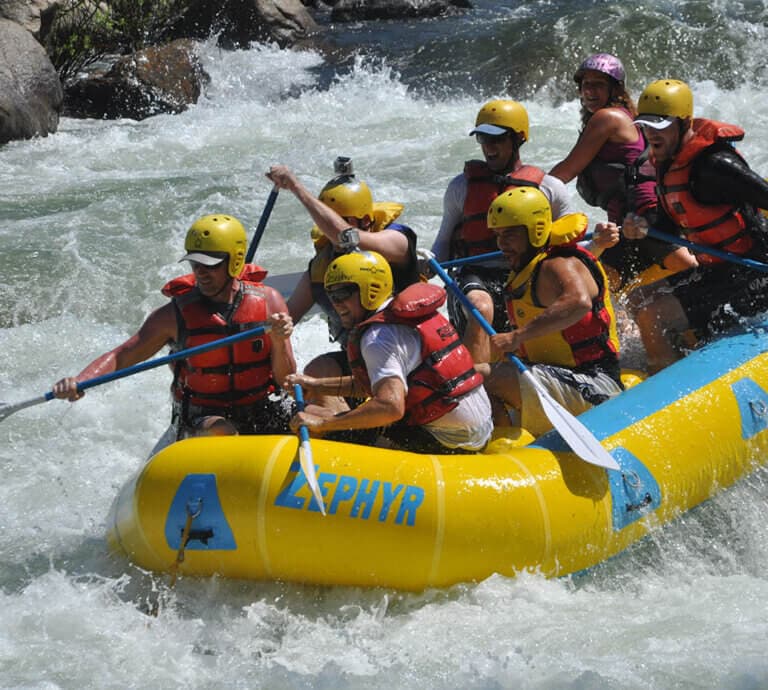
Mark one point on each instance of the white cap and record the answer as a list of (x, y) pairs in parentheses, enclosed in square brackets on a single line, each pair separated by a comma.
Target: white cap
[(201, 258), (492, 130), (655, 121)]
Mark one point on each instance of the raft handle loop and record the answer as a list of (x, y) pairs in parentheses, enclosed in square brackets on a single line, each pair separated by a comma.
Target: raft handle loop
[(758, 407), (194, 507), (632, 479)]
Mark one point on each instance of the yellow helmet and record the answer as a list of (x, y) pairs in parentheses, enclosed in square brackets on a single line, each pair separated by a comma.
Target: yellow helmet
[(217, 234), (498, 117), (662, 101), (526, 206), (371, 273), (350, 198)]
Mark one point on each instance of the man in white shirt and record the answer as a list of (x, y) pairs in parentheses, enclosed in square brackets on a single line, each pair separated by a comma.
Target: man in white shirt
[(421, 386), (501, 128)]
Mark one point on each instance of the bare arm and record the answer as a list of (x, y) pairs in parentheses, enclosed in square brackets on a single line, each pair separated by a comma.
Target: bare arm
[(301, 299), (453, 211), (281, 355), (340, 386), (384, 407), (331, 224), (391, 244), (157, 330), (566, 288), (606, 124)]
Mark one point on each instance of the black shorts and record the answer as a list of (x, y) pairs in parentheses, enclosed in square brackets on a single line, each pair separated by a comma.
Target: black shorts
[(271, 416), (340, 357), (715, 297), (489, 280)]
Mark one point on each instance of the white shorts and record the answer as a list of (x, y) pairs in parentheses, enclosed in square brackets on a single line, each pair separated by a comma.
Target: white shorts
[(576, 392)]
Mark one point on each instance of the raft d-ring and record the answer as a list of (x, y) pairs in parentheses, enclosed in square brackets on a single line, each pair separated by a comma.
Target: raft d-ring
[(632, 479), (758, 407), (194, 507)]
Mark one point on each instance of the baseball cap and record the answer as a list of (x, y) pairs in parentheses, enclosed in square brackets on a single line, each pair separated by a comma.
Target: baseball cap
[(203, 258), (493, 130), (655, 121)]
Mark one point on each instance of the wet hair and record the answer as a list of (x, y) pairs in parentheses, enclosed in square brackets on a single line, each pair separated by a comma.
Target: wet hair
[(618, 98)]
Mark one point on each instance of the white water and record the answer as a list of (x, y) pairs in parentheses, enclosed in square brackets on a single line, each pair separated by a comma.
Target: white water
[(92, 223)]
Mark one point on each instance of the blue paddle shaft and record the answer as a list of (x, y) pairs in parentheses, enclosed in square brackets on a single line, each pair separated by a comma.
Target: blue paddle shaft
[(262, 224), (298, 395), (480, 258), (703, 249), (181, 354), (488, 256), (453, 286), (581, 440)]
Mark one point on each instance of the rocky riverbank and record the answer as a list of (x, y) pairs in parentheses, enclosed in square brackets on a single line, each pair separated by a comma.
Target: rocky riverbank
[(167, 77)]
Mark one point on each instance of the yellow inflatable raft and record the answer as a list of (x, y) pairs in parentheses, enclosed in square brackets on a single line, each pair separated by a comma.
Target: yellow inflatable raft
[(409, 521)]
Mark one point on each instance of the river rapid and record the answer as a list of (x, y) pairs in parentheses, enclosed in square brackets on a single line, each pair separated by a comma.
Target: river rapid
[(92, 223)]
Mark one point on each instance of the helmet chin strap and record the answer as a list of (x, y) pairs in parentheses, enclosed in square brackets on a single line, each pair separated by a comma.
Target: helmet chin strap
[(529, 256), (514, 161), (683, 125)]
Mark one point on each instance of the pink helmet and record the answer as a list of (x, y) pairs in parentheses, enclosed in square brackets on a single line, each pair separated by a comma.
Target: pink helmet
[(604, 63)]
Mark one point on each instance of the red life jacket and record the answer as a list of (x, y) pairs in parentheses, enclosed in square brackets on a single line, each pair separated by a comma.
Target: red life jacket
[(592, 339), (721, 226), (233, 376), (472, 236), (446, 371)]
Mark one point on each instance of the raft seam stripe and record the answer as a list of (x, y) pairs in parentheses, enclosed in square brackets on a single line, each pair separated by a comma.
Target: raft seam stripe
[(546, 525), (261, 505), (437, 551)]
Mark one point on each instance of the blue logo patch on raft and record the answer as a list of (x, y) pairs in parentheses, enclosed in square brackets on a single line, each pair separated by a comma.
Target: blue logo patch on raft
[(753, 407), (198, 496), (358, 495), (634, 491)]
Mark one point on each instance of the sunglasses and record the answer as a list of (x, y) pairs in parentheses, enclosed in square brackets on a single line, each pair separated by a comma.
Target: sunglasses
[(483, 139), (341, 294)]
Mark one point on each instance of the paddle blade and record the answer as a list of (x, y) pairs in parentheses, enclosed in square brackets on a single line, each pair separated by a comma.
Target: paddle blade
[(581, 440), (308, 467), (7, 409)]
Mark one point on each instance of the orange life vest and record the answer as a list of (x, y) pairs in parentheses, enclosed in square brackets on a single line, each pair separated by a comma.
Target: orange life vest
[(472, 236), (446, 371), (592, 339), (721, 226), (233, 376)]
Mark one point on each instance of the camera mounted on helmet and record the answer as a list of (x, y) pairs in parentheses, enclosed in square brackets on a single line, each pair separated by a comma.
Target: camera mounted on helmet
[(342, 166), (348, 196)]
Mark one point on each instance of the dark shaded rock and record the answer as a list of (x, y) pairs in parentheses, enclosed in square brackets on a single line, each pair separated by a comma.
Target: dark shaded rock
[(355, 10), (26, 12), (161, 79), (30, 90), (240, 22)]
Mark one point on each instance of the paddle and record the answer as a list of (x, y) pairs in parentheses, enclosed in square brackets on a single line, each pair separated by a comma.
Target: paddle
[(574, 433), (478, 259), (305, 452), (7, 409), (262, 224), (488, 256), (703, 249)]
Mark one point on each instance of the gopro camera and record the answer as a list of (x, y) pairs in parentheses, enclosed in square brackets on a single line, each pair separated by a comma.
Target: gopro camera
[(343, 166), (348, 240)]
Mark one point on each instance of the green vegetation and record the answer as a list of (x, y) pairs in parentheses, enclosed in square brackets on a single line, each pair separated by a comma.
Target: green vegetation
[(83, 32)]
